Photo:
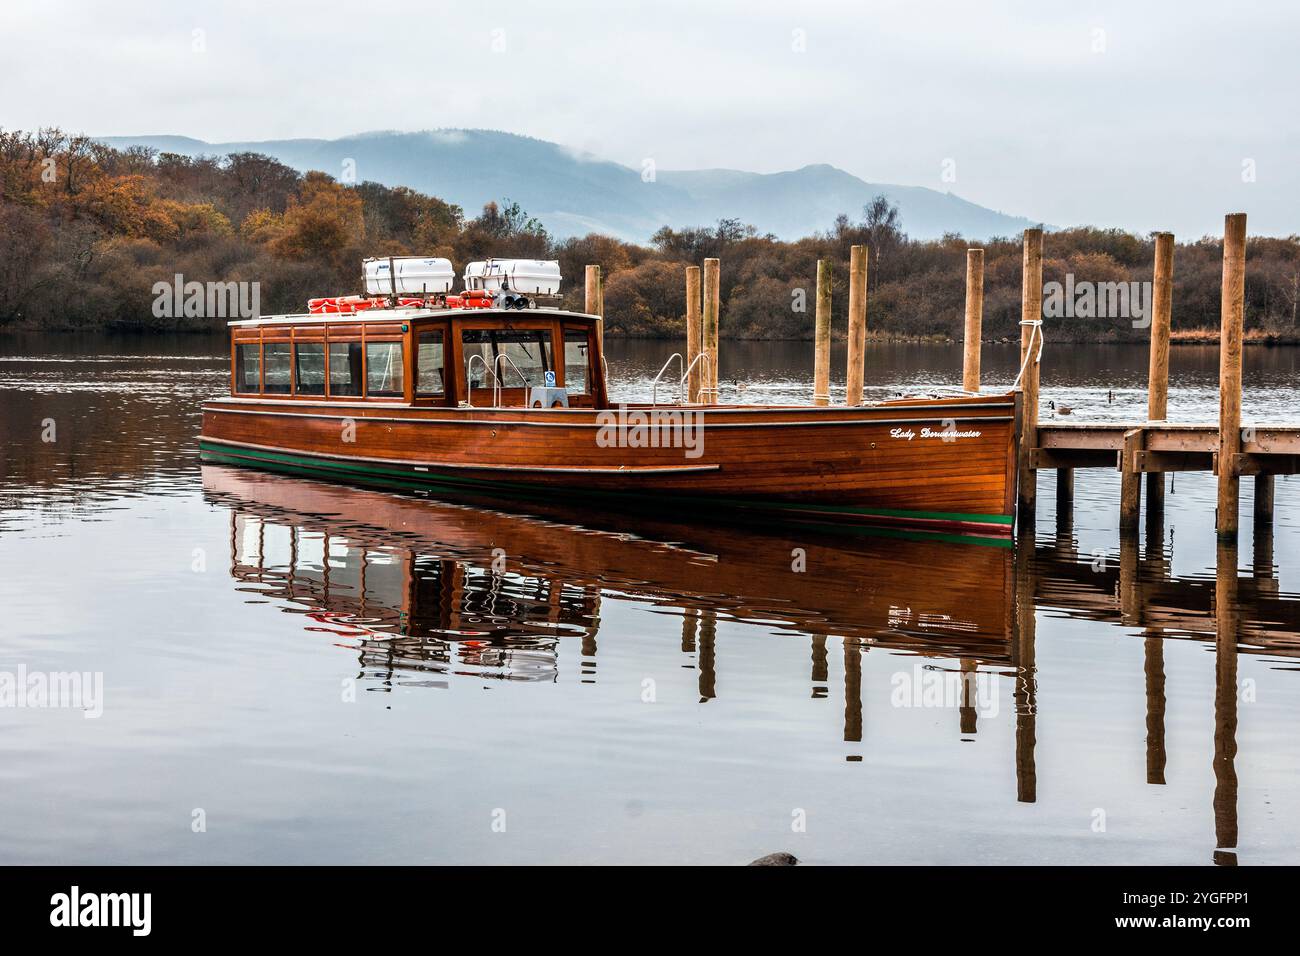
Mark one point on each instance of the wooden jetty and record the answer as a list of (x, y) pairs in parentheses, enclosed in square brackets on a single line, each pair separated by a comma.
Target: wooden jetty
[(1150, 447), (1154, 446)]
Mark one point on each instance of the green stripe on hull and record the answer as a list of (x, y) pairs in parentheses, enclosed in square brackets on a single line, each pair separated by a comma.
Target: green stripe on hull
[(308, 466)]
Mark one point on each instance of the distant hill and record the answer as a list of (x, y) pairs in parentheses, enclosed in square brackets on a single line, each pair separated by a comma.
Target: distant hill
[(575, 193)]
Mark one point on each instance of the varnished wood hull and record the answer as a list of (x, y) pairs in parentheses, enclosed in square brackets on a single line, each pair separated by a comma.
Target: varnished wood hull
[(944, 465)]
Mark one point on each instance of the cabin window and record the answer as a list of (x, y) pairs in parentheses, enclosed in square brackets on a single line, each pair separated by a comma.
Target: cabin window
[(384, 369), (576, 362), (345, 369), (309, 368), (477, 373), (248, 367), (279, 372), (429, 365), (528, 349)]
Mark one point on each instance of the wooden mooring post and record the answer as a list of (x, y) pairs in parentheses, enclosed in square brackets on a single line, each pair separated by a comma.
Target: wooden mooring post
[(712, 306), (1031, 317), (970, 365), (694, 333), (857, 324), (1231, 317), (1162, 290), (594, 303), (822, 345)]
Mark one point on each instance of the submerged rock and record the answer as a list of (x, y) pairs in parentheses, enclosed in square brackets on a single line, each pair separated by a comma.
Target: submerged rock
[(776, 859)]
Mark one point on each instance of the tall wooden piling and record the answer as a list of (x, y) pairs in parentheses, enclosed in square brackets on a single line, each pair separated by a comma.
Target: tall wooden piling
[(1231, 316), (1162, 297), (694, 333), (857, 323), (970, 366), (1162, 291), (712, 306), (594, 303), (822, 358), (1031, 315)]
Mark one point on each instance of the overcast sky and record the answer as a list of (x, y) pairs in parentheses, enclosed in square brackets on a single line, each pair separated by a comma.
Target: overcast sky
[(1140, 115)]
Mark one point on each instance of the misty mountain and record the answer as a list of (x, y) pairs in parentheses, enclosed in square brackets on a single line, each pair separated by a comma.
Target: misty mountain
[(575, 193)]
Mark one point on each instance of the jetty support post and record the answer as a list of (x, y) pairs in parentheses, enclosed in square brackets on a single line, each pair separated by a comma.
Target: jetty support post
[(1263, 513), (1232, 313), (857, 323), (1064, 503), (822, 356), (1031, 315), (694, 333), (1130, 482), (712, 306), (1162, 290), (970, 366)]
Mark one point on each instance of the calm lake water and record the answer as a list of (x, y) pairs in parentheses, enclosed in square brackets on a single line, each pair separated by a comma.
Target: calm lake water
[(308, 673)]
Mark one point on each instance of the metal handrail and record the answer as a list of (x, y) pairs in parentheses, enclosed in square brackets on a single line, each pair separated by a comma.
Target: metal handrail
[(469, 379), (703, 353), (496, 391), (654, 386)]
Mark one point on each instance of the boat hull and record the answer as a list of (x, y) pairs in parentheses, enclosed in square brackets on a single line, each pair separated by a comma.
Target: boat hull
[(938, 464)]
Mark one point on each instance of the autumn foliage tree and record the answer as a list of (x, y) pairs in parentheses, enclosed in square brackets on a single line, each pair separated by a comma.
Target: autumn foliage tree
[(85, 230)]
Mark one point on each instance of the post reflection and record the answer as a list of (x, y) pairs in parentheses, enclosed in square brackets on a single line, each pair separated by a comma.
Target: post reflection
[(1026, 687), (1226, 623), (419, 586), (423, 592)]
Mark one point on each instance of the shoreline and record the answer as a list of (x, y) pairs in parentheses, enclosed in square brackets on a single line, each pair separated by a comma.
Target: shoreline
[(1177, 337)]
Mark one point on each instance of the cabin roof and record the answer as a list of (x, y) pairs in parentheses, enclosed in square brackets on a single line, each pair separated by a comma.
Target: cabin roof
[(380, 316)]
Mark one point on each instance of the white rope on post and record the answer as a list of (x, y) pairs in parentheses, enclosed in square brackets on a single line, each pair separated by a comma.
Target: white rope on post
[(1037, 332)]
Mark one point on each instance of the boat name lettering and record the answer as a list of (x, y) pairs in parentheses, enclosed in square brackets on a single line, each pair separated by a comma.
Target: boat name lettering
[(943, 434)]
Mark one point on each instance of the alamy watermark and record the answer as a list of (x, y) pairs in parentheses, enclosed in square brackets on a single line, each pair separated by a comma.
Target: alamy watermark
[(651, 428), (128, 910), (206, 300), (1098, 300), (927, 687), (45, 690)]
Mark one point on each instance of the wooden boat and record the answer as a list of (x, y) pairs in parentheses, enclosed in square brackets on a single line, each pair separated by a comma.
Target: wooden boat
[(514, 403)]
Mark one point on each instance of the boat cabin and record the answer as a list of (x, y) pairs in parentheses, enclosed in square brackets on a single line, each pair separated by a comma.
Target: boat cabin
[(482, 357)]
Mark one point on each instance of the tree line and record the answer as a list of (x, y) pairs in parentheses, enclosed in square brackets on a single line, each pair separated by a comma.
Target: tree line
[(86, 231)]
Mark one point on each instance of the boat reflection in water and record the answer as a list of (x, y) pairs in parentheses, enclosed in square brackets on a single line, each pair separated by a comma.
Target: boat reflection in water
[(422, 587), (424, 591)]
